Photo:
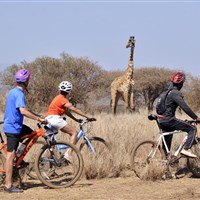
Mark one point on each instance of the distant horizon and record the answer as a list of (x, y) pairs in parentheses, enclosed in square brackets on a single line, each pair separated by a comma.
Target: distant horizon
[(4, 65)]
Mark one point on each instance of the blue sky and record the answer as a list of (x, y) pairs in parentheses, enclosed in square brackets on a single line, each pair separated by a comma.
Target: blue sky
[(167, 33)]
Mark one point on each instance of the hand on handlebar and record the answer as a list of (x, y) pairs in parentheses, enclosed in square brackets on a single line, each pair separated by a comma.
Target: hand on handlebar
[(79, 120), (198, 120), (43, 121)]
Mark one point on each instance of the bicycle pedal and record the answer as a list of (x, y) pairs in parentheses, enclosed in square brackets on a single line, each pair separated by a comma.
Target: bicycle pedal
[(23, 164), (174, 161), (66, 161)]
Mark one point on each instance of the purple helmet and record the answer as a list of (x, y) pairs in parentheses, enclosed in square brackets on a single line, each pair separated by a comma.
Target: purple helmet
[(22, 75)]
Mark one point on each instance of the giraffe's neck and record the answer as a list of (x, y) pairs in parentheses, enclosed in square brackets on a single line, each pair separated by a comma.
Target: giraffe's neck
[(130, 62)]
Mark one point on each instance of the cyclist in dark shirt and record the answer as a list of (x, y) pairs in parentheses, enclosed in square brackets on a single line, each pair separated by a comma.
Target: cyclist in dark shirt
[(168, 121)]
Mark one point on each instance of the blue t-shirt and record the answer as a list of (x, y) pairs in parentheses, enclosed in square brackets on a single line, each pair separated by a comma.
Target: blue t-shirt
[(13, 119)]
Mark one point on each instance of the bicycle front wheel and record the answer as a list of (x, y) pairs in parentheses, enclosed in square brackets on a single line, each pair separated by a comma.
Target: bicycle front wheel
[(147, 161), (54, 170), (194, 163), (97, 156)]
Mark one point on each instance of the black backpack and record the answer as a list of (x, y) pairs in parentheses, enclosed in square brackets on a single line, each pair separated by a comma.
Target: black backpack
[(160, 106)]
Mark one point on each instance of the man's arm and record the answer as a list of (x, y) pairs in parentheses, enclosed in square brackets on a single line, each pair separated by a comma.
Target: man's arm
[(69, 114), (183, 105), (26, 113), (69, 106)]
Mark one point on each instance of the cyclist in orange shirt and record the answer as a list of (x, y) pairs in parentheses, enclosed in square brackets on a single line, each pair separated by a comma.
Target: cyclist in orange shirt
[(59, 106)]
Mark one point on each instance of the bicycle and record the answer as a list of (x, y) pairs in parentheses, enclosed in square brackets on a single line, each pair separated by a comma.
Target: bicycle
[(51, 167), (97, 147), (149, 155)]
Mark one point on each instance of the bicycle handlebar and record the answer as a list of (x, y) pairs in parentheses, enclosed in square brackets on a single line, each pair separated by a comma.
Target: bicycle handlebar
[(82, 122), (192, 121), (155, 117)]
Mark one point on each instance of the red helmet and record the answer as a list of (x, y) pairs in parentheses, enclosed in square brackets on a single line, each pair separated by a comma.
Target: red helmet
[(178, 77)]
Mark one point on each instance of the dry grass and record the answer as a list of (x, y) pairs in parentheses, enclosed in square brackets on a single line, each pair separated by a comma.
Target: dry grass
[(122, 132)]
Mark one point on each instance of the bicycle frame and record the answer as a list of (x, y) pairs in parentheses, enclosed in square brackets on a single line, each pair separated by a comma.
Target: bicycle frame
[(161, 138), (80, 134), (32, 139), (3, 145)]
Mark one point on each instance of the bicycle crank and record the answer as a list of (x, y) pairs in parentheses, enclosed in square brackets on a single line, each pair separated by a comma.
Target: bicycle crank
[(174, 161)]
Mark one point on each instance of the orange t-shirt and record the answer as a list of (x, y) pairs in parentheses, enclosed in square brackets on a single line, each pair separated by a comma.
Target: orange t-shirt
[(57, 107)]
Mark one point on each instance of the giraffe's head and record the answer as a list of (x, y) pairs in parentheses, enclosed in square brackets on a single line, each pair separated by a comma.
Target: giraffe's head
[(131, 42)]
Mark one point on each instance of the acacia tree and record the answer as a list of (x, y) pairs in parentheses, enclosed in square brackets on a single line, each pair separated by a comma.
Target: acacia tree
[(85, 75), (47, 73), (191, 92), (149, 83)]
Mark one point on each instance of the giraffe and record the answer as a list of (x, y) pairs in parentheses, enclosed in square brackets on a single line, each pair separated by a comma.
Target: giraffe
[(122, 86)]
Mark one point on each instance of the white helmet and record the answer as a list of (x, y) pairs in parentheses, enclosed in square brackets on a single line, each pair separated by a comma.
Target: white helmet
[(65, 86)]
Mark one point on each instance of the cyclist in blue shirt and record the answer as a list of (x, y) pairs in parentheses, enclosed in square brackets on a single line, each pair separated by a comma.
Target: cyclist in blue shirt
[(13, 127)]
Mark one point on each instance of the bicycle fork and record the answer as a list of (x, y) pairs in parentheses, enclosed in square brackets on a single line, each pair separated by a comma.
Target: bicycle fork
[(89, 145), (52, 158)]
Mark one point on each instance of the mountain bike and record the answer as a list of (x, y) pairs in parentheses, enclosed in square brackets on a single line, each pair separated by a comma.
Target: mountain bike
[(93, 149), (51, 167), (149, 155)]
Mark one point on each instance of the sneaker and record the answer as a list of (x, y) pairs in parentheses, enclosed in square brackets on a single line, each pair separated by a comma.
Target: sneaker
[(188, 153), (13, 189), (23, 164)]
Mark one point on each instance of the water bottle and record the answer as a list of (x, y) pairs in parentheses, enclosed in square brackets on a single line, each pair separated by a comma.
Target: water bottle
[(20, 150)]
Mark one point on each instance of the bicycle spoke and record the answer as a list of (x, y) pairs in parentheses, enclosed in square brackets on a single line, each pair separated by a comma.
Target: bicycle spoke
[(194, 163), (56, 171), (29, 158), (147, 161), (97, 156)]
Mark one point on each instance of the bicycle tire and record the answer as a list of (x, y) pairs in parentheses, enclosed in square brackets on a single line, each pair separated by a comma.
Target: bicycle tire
[(55, 176), (194, 163), (2, 174), (99, 163), (31, 159), (145, 166)]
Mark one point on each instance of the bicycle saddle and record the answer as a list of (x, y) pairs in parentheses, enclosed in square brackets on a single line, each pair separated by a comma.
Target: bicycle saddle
[(152, 117)]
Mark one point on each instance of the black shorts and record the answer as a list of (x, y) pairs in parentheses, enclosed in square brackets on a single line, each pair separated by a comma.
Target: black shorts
[(14, 139)]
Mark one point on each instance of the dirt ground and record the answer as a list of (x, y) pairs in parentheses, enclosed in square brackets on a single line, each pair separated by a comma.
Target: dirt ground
[(113, 189)]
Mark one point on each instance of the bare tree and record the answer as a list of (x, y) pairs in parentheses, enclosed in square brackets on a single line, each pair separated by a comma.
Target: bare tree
[(192, 92), (47, 73), (149, 83)]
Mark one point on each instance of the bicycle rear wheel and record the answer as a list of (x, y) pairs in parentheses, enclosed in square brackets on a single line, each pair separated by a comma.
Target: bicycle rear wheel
[(194, 163), (54, 170), (2, 174), (147, 161), (97, 156), (31, 158)]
